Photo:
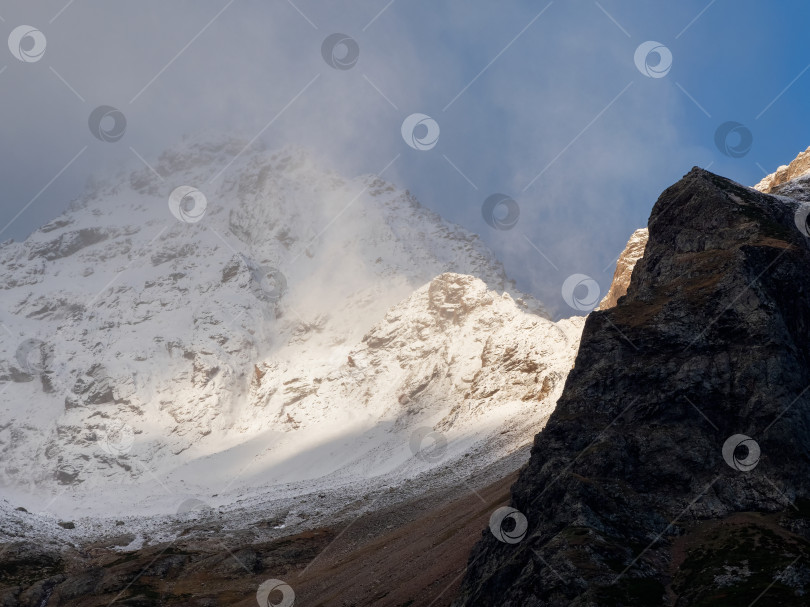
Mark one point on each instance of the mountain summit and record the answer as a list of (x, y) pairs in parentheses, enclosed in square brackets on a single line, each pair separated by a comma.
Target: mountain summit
[(674, 470), (259, 360), (181, 322)]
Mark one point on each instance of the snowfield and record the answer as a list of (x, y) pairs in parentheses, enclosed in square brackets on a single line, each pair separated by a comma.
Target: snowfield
[(287, 341)]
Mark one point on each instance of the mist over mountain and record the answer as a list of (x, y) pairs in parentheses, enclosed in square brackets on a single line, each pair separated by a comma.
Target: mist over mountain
[(404, 304)]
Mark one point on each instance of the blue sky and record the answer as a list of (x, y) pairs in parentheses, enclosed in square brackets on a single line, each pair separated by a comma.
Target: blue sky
[(540, 101)]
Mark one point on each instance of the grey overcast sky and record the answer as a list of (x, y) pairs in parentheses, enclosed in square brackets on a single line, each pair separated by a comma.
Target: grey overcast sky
[(544, 102)]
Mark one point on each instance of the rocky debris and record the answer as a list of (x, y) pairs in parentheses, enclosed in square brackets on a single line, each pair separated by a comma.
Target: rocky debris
[(199, 574), (382, 551), (624, 268), (629, 495)]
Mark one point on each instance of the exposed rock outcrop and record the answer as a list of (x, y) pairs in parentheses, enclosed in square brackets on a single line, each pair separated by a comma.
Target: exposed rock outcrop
[(624, 268), (454, 355), (787, 172), (638, 492), (788, 180)]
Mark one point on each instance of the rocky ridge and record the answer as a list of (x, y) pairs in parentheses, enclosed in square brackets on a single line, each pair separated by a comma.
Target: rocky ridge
[(799, 167), (788, 180), (674, 469)]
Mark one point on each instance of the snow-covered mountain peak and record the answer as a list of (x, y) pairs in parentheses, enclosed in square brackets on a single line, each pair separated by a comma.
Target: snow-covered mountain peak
[(150, 329)]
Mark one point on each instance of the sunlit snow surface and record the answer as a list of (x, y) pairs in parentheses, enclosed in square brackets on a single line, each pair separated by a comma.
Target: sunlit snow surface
[(291, 341)]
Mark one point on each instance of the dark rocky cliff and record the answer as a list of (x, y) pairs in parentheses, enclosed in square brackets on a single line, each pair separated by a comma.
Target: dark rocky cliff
[(628, 497)]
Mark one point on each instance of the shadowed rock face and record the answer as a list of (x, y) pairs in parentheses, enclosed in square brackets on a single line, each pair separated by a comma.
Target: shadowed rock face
[(628, 498)]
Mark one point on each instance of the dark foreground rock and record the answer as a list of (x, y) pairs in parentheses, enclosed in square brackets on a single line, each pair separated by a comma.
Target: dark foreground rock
[(628, 497), (188, 574)]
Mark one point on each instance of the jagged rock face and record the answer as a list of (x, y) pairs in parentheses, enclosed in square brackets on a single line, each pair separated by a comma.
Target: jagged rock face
[(785, 173), (454, 356), (627, 495), (792, 180), (624, 268)]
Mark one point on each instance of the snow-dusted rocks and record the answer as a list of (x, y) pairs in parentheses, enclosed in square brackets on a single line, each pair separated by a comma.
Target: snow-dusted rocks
[(454, 356), (799, 167), (296, 331)]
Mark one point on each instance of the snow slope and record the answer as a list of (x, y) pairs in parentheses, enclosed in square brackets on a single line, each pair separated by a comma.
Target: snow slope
[(306, 331)]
